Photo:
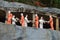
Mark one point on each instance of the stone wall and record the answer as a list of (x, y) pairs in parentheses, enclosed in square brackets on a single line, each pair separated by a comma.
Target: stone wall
[(10, 32)]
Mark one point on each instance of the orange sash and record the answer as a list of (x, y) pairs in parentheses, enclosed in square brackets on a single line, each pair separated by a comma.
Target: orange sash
[(36, 22)]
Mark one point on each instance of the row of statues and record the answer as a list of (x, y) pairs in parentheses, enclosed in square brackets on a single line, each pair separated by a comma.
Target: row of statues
[(24, 20)]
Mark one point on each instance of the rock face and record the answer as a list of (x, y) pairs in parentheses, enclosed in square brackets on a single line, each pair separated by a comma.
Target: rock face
[(1, 0), (7, 32), (13, 32)]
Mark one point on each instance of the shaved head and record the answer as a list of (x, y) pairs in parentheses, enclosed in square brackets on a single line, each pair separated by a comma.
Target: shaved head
[(21, 14), (9, 11), (35, 14)]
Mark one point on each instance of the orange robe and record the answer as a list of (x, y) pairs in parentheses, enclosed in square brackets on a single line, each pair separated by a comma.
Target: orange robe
[(36, 21), (9, 18), (22, 21), (51, 23)]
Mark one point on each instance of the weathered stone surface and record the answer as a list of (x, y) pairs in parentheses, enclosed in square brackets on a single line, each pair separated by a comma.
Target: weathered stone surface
[(10, 32), (7, 32)]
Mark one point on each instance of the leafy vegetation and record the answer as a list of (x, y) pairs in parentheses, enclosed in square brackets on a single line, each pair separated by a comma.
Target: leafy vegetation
[(48, 3)]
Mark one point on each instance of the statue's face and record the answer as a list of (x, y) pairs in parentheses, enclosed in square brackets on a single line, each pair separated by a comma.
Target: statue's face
[(9, 11), (14, 16), (41, 17), (36, 15), (21, 14), (50, 16)]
